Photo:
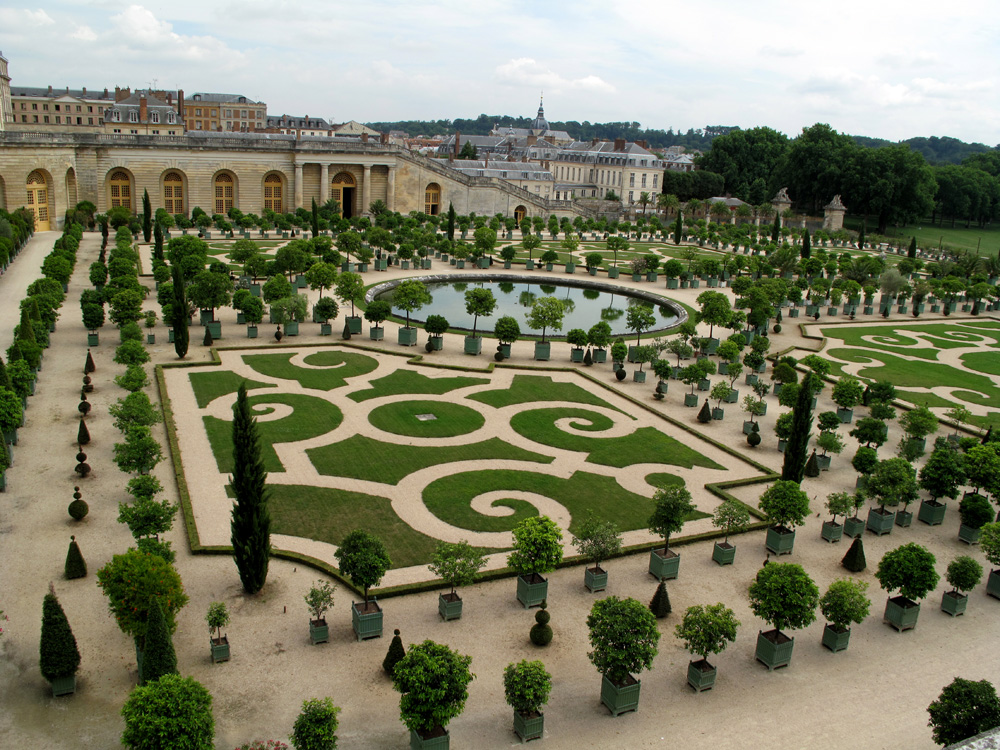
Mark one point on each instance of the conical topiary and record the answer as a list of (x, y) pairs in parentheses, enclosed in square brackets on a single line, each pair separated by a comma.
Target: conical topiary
[(158, 657), (588, 358), (705, 415), (346, 335), (4, 377), (82, 434), (59, 656), (89, 366), (395, 653), (207, 341), (812, 466), (78, 509), (76, 566), (854, 560), (541, 633), (660, 604)]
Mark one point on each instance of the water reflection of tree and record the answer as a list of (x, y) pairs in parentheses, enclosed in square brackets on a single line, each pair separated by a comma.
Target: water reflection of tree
[(506, 286), (527, 297), (611, 313)]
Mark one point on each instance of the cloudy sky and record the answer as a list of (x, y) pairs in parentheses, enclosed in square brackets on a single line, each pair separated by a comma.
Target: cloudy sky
[(886, 68)]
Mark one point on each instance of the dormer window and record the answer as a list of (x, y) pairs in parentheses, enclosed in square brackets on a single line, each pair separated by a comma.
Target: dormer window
[(133, 116), (154, 117), (170, 118), (116, 115)]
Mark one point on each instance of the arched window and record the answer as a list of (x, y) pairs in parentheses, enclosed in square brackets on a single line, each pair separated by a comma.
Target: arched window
[(173, 193), (432, 199), (519, 213), (272, 193), (121, 189), (342, 190), (38, 200), (223, 193)]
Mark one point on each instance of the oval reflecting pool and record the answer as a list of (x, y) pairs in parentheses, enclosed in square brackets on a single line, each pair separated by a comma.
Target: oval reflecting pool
[(584, 306)]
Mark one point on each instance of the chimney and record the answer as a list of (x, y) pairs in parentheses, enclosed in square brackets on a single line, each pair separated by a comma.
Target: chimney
[(180, 102), (486, 164), (619, 144), (143, 109), (84, 90), (643, 144), (458, 138), (532, 140), (364, 137), (451, 158), (67, 89), (50, 89), (594, 141), (105, 92)]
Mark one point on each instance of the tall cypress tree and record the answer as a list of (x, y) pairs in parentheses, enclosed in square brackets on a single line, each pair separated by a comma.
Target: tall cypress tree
[(678, 227), (251, 523), (451, 222), (158, 655), (806, 250), (794, 466), (157, 242), (315, 219), (776, 229), (59, 656), (180, 316), (912, 253), (4, 377), (147, 217)]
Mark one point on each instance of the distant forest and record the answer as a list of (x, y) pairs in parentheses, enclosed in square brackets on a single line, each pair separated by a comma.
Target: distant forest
[(937, 151)]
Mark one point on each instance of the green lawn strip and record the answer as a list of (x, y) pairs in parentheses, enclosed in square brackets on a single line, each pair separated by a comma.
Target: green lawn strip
[(895, 340), (662, 479), (645, 445), (280, 366), (987, 363), (311, 417), (450, 498), (527, 389), (408, 381), (990, 419), (360, 457), (208, 386), (400, 418)]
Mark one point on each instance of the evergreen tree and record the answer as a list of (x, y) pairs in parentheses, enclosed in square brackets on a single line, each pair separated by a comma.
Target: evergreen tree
[(395, 653), (806, 250), (25, 331), (705, 415), (251, 523), (912, 253), (812, 466), (678, 228), (793, 468), (207, 341), (451, 222), (76, 566), (180, 314), (660, 604), (158, 657), (59, 656), (89, 366), (861, 236), (82, 434), (157, 242), (147, 217), (854, 560), (776, 228), (315, 219), (4, 377)]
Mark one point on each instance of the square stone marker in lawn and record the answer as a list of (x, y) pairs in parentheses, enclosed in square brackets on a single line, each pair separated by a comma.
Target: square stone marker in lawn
[(426, 417)]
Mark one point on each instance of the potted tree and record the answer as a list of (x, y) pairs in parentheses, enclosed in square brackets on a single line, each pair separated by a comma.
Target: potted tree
[(917, 424), (597, 541), (457, 565), (526, 687), (599, 337), (546, 312), (217, 618), (436, 326), (624, 637), (507, 332), (433, 682), (989, 543), (733, 518), (942, 476), (719, 393), (253, 314), (324, 311), (864, 462), (785, 505), (839, 504), (410, 296), (910, 570), (843, 603), (577, 338), (363, 558), (478, 301), (784, 596), (893, 481), (150, 316), (671, 507), (537, 549), (378, 310), (975, 512), (350, 288), (59, 656), (593, 262), (706, 630), (318, 601), (93, 319), (964, 574)]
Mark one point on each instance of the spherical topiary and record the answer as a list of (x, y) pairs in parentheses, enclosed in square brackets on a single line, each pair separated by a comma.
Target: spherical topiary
[(777, 328), (660, 605), (84, 407), (753, 439), (88, 384), (620, 373), (541, 633), (78, 509), (82, 467), (854, 560), (395, 653), (498, 357), (76, 566)]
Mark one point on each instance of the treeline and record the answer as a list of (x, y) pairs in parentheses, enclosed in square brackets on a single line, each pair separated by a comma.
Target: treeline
[(894, 184), (937, 151)]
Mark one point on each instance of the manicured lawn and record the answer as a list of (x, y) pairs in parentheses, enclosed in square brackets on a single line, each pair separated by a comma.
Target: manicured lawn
[(400, 418), (361, 457), (930, 237), (894, 339), (662, 479), (311, 417), (340, 366), (408, 381), (526, 389), (450, 498), (208, 386), (645, 445)]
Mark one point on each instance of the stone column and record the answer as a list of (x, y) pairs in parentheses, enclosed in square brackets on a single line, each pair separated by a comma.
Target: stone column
[(298, 186), (391, 196), (324, 183), (366, 189)]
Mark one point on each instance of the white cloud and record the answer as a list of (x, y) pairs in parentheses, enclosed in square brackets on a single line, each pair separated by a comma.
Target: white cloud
[(14, 17), (527, 72), (84, 34)]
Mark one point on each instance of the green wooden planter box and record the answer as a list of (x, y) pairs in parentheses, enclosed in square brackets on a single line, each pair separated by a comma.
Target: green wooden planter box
[(718, 414), (150, 338), (576, 355), (932, 512), (325, 329), (901, 613), (532, 593), (450, 606), (251, 332), (64, 686), (505, 350), (834, 639), (529, 265), (993, 584), (968, 534), (880, 523), (443, 742), (774, 654), (701, 675), (724, 553), (353, 324), (954, 604), (368, 625), (215, 327), (613, 273), (733, 397), (220, 649), (664, 568), (690, 399), (824, 462), (672, 283), (473, 345), (407, 337), (638, 376), (903, 518), (542, 351), (376, 333), (620, 700), (93, 339), (571, 268), (846, 415), (529, 727), (170, 336), (595, 579), (779, 540), (427, 263), (437, 343), (832, 532), (319, 631)]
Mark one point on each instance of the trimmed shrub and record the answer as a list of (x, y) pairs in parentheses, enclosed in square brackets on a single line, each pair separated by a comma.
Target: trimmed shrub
[(540, 633), (660, 604), (82, 433), (76, 566), (59, 656), (395, 653), (78, 509), (158, 656), (854, 560), (316, 725)]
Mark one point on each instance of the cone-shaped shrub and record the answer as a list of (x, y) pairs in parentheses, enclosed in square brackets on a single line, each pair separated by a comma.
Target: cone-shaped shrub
[(346, 335), (89, 366), (158, 657), (541, 633), (854, 560), (812, 466), (660, 605), (4, 377), (588, 358), (76, 566), (59, 656), (78, 509), (705, 415), (207, 341), (82, 434), (395, 653)]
